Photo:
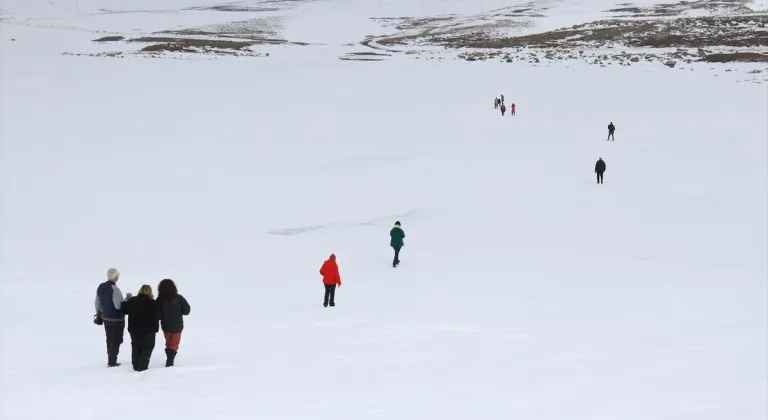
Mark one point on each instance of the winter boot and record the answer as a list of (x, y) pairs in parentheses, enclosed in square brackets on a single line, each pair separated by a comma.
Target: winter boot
[(170, 356), (112, 360)]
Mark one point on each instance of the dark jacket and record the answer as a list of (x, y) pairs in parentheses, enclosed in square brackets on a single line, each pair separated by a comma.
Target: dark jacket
[(108, 301), (143, 314), (396, 237), (600, 166), (611, 127), (172, 313)]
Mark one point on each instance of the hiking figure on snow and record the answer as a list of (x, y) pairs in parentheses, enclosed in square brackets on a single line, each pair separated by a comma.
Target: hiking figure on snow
[(331, 279), (143, 324), (503, 109), (512, 109), (396, 236), (173, 308), (502, 99), (611, 129), (599, 170), (496, 103), (109, 300)]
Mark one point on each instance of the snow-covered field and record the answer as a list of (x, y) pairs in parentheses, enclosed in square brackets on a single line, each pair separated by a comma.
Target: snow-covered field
[(526, 290)]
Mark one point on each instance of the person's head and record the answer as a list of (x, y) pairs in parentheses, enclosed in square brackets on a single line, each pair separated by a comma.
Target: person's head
[(332, 257), (113, 274), (146, 290), (166, 290), (397, 223)]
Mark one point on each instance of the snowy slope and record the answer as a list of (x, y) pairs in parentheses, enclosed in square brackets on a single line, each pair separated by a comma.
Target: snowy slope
[(526, 290)]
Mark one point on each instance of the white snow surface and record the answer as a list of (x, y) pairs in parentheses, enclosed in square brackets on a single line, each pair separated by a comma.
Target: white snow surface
[(526, 290)]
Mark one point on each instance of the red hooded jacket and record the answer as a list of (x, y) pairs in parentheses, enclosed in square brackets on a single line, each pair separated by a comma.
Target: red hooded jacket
[(330, 271)]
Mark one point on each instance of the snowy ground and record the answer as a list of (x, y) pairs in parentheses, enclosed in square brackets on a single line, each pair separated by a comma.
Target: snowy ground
[(526, 290)]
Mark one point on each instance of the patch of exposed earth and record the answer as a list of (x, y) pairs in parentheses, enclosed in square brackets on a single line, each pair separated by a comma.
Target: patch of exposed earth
[(238, 37), (710, 31)]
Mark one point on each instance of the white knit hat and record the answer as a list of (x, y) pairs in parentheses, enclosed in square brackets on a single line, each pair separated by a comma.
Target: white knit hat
[(112, 274)]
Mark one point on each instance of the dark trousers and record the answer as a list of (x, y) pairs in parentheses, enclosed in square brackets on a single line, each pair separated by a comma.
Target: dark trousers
[(396, 261), (610, 136), (330, 294), (115, 331), (599, 177), (142, 345)]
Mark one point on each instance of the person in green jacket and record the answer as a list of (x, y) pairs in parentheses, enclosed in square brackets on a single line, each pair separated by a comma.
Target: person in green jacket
[(396, 241)]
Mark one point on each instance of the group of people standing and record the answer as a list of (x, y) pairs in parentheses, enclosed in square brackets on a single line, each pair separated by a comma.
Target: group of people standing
[(498, 103), (330, 269), (146, 315)]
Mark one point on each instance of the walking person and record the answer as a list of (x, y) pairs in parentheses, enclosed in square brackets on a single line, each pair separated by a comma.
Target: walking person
[(503, 109), (396, 236), (512, 109), (109, 299), (331, 279), (496, 103), (611, 129), (599, 170), (143, 320), (173, 308), (502, 99)]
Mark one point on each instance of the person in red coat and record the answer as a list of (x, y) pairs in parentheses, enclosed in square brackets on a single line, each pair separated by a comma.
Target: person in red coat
[(512, 110), (331, 279), (503, 109)]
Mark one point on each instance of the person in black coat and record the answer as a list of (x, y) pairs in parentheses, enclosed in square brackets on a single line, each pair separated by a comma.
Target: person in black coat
[(599, 169), (611, 129), (173, 308), (143, 324)]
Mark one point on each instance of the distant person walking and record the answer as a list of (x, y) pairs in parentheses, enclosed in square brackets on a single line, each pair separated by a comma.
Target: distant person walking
[(496, 103), (331, 279), (611, 129), (512, 109), (109, 299), (502, 99), (503, 109), (143, 319), (173, 308), (396, 236), (599, 170)]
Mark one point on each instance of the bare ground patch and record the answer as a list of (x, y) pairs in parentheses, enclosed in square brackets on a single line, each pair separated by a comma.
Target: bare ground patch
[(675, 33)]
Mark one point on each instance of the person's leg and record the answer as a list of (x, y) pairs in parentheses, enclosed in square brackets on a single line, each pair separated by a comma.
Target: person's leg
[(327, 294), (333, 295), (598, 177), (397, 255), (114, 332), (147, 346), (136, 347), (172, 341)]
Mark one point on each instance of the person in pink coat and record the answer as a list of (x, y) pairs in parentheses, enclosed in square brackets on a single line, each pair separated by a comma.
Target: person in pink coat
[(512, 110)]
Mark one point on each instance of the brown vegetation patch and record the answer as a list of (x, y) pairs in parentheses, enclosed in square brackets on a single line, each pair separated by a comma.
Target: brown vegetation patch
[(109, 39), (739, 57), (184, 44)]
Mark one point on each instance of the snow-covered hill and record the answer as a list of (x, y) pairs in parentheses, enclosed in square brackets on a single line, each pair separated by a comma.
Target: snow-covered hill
[(238, 151)]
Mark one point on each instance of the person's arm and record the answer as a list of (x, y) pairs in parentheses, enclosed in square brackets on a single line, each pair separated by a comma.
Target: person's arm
[(185, 309), (125, 306), (97, 303), (117, 297)]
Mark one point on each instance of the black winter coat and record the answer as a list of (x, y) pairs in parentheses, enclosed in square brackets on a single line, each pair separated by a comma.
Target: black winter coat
[(600, 166), (143, 314), (172, 313)]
